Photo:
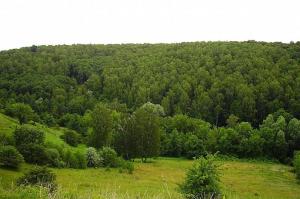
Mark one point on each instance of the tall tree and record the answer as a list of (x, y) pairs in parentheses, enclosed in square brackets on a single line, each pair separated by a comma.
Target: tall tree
[(102, 124), (147, 132)]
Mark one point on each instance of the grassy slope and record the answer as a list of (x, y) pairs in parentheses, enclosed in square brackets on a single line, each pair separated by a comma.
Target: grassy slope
[(8, 125), (160, 178)]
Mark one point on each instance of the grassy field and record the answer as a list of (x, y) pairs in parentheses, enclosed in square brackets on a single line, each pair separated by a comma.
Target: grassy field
[(158, 179)]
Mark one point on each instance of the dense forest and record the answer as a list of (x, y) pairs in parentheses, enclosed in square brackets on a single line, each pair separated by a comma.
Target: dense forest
[(206, 80), (239, 98)]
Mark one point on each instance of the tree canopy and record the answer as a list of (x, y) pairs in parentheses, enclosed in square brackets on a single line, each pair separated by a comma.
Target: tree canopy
[(205, 80)]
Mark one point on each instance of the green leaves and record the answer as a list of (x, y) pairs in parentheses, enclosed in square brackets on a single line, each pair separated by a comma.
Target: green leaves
[(202, 180)]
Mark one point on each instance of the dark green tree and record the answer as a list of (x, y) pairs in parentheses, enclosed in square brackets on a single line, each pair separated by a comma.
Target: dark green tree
[(21, 111), (102, 124)]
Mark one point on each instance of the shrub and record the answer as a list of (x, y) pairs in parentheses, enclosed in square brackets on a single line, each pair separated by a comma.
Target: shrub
[(92, 157), (81, 160), (56, 146), (126, 165), (297, 164), (10, 157), (53, 157), (39, 176), (69, 159), (202, 180), (108, 157), (27, 134), (34, 153), (75, 160), (71, 137)]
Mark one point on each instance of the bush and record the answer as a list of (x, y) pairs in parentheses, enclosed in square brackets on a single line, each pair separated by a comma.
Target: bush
[(92, 157), (39, 176), (108, 157), (75, 160), (297, 164), (126, 165), (10, 157), (34, 153), (81, 160), (53, 157), (69, 159), (202, 180), (27, 134), (71, 137)]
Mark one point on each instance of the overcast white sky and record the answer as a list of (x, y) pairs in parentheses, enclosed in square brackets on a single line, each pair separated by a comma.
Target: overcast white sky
[(28, 22)]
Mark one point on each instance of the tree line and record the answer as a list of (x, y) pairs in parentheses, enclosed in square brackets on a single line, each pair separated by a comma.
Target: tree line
[(148, 132)]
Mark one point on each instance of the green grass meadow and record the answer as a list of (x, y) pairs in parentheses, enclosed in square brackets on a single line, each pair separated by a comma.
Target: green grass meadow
[(160, 178)]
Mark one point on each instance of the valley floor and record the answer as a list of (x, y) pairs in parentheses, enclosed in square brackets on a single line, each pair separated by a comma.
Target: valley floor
[(160, 179)]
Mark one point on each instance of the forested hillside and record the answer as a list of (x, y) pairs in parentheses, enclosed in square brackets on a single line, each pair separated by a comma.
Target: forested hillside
[(206, 80), (104, 106)]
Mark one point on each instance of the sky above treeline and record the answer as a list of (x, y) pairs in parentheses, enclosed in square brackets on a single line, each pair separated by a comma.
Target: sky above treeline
[(51, 22)]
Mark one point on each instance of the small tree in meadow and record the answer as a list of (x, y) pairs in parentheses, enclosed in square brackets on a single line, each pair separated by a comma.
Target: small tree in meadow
[(39, 176), (202, 180)]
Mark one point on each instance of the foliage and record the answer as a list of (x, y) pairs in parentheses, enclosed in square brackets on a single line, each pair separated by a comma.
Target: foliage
[(10, 157), (53, 157), (92, 157), (23, 112), (71, 137), (74, 159), (146, 133), (27, 134), (34, 153), (126, 165), (202, 180), (206, 80), (81, 159), (30, 142), (102, 126), (74, 122), (107, 93), (39, 176), (108, 157)]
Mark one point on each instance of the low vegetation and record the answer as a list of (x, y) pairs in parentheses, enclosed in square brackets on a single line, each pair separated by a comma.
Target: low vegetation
[(39, 176), (202, 180), (10, 157), (297, 164), (239, 179)]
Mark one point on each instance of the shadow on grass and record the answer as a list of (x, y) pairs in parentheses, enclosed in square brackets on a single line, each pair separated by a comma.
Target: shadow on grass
[(10, 168)]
